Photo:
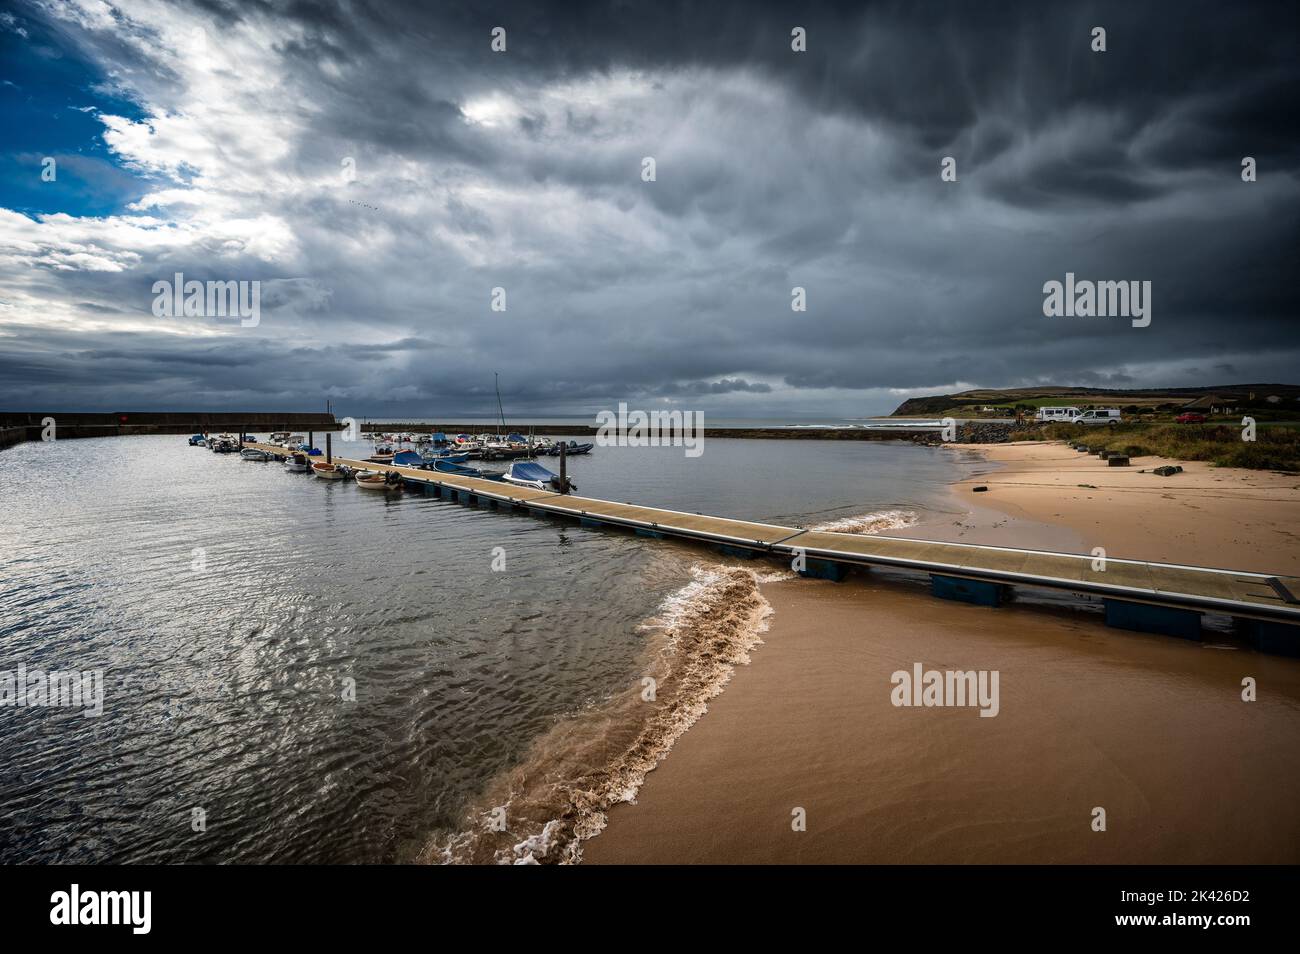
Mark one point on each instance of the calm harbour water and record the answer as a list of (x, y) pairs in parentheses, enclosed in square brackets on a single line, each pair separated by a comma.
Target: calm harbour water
[(232, 605)]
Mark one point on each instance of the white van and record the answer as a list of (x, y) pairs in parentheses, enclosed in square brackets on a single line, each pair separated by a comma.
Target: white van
[(1101, 415), (1059, 414)]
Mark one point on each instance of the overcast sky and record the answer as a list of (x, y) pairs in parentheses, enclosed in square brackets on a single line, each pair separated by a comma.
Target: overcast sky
[(211, 138)]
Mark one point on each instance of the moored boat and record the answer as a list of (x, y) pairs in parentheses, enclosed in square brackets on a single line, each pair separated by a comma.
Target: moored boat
[(430, 456), (527, 473), (460, 470), (297, 464), (383, 453), (198, 440), (252, 453), (373, 481), (571, 449), (327, 471)]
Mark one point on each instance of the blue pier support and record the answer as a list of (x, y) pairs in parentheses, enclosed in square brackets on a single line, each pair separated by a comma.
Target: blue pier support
[(743, 553), (825, 570), (644, 532), (1145, 618), (589, 522), (979, 592), (1281, 639)]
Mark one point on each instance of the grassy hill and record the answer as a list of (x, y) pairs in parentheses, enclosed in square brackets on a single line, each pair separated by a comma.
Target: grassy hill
[(1263, 401), (1274, 448)]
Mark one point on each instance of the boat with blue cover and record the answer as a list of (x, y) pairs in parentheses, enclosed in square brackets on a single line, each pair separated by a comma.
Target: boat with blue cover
[(460, 470), (527, 473)]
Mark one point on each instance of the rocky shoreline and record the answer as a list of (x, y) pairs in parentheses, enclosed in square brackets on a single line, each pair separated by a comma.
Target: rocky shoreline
[(981, 432)]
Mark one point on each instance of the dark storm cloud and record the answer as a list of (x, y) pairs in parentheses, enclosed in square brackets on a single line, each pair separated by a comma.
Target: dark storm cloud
[(521, 170)]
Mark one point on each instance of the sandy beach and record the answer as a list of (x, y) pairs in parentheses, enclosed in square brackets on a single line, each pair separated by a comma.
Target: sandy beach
[(1151, 729), (1049, 494)]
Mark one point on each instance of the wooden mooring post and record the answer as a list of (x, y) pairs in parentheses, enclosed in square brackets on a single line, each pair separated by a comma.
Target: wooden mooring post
[(329, 448)]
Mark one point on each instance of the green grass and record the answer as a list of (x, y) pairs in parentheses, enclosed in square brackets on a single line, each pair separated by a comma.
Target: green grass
[(1275, 448)]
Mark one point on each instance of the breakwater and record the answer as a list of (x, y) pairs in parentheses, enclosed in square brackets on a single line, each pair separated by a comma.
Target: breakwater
[(972, 432), (19, 426)]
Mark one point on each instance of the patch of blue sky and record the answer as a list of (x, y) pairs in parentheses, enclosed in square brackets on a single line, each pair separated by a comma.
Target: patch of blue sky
[(50, 101)]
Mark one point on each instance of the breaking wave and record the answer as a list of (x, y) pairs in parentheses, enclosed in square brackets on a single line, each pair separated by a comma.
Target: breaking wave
[(875, 522), (558, 796)]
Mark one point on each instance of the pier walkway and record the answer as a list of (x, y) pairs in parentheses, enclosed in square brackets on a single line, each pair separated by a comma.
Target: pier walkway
[(1150, 597)]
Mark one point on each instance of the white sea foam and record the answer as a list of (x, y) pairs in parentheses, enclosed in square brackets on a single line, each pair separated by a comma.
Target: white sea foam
[(877, 521)]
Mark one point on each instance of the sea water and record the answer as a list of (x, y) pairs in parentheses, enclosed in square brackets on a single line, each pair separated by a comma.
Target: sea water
[(299, 670)]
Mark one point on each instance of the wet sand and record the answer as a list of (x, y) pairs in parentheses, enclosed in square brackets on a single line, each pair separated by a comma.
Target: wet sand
[(1207, 516), (1152, 729)]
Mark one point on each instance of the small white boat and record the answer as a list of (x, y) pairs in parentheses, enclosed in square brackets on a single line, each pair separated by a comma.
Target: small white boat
[(373, 481), (527, 473), (297, 464), (326, 471), (252, 453)]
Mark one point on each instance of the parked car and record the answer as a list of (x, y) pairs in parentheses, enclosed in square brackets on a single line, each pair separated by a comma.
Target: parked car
[(1190, 417), (1100, 415)]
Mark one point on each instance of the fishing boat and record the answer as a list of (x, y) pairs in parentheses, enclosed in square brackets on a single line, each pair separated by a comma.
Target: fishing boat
[(326, 471), (198, 440), (297, 464), (470, 447), (252, 453), (278, 437), (460, 470), (408, 458), (385, 481), (383, 453), (527, 473), (512, 448)]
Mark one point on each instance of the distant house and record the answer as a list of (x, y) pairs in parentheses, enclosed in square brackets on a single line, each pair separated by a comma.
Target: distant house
[(1210, 404)]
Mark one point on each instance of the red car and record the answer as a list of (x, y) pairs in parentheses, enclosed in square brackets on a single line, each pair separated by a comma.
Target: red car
[(1190, 417)]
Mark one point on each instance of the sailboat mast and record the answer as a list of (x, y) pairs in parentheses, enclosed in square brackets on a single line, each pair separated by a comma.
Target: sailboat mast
[(496, 376)]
